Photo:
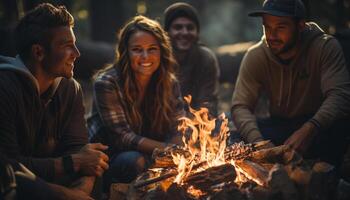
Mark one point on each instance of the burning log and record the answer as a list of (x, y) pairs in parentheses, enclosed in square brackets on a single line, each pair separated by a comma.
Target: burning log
[(156, 179), (253, 171), (164, 158), (292, 157), (273, 155), (212, 176), (238, 151)]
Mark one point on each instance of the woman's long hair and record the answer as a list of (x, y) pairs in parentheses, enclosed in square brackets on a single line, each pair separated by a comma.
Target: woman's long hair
[(159, 102)]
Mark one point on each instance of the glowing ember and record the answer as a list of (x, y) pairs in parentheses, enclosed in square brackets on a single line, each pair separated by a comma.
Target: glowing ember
[(195, 192)]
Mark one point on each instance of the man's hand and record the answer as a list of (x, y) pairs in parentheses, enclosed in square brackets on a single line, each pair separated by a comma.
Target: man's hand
[(302, 138), (90, 160)]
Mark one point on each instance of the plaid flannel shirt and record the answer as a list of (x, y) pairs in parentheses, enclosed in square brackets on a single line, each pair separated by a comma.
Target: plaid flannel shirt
[(109, 113)]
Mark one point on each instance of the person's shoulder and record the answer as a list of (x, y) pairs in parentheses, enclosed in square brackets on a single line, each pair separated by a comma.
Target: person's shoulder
[(110, 74), (9, 79), (206, 51), (318, 37), (258, 53), (256, 49), (68, 86)]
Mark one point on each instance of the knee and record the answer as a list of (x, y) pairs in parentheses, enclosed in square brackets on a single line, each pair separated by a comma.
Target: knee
[(140, 164)]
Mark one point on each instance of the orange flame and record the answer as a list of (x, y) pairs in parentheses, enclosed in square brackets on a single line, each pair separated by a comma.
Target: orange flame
[(202, 144), (206, 147)]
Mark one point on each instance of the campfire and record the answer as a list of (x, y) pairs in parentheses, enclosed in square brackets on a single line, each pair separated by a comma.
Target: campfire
[(206, 168)]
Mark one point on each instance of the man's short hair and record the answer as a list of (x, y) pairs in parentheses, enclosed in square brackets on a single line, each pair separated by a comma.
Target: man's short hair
[(282, 8), (177, 10), (35, 26)]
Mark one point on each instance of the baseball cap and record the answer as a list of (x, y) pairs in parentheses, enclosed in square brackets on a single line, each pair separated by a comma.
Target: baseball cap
[(281, 8)]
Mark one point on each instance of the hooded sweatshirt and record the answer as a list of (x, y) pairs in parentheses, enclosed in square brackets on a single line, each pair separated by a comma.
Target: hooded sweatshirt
[(315, 82), (36, 128)]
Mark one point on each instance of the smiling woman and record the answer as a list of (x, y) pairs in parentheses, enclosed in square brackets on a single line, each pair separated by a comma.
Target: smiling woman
[(137, 100), (144, 52)]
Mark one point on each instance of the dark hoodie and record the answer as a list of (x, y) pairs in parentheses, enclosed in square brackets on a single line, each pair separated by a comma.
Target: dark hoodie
[(33, 128), (315, 83)]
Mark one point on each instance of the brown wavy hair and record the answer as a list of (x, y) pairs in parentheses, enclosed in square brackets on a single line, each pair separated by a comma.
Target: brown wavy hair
[(159, 102)]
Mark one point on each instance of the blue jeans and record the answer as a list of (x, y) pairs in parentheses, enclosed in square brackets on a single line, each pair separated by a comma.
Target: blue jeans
[(124, 167)]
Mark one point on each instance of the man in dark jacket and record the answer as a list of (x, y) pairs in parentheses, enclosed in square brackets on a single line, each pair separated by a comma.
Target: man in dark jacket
[(303, 72), (42, 121), (198, 66)]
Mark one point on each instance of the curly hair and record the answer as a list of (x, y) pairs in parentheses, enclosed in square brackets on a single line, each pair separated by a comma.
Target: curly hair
[(159, 102), (35, 26)]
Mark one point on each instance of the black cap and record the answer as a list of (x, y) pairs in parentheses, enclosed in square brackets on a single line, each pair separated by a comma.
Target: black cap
[(281, 8), (177, 10)]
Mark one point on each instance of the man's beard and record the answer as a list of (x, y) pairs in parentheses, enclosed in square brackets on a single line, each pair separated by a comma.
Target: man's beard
[(287, 47)]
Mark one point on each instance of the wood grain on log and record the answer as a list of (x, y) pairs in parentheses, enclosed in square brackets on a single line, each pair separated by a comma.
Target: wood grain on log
[(273, 155), (212, 176), (253, 171)]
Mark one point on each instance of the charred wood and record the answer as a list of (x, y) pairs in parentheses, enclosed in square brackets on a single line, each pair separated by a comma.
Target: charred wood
[(212, 176), (253, 171)]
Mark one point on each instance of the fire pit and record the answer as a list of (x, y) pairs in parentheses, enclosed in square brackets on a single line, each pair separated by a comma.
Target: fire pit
[(205, 168)]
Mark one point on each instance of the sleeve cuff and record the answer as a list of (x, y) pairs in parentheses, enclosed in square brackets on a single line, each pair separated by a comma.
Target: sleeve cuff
[(253, 136)]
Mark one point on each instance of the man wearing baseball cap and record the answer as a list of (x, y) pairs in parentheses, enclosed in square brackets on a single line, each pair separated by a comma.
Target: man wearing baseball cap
[(198, 66), (303, 72)]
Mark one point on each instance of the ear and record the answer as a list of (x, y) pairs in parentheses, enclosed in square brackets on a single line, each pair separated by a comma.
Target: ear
[(38, 52)]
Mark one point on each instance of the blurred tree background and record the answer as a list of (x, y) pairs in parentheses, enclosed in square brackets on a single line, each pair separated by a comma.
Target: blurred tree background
[(223, 22)]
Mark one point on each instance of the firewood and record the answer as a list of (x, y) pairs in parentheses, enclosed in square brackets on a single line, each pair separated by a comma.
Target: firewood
[(262, 193), (163, 158), (212, 176), (146, 182), (228, 192), (253, 171), (273, 155), (300, 174), (292, 157), (279, 181)]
